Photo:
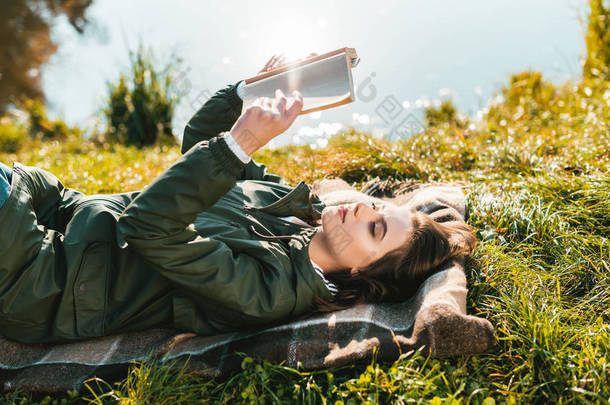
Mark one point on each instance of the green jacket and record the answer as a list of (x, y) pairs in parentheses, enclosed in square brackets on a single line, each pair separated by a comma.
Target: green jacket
[(200, 249)]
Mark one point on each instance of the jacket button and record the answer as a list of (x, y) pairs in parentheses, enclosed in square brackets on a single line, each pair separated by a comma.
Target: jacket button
[(82, 287)]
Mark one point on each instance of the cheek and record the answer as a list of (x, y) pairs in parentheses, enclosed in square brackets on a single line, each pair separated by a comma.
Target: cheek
[(336, 234), (329, 220), (350, 242), (360, 244)]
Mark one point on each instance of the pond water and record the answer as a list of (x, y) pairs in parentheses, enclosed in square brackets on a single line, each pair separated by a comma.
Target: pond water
[(413, 53)]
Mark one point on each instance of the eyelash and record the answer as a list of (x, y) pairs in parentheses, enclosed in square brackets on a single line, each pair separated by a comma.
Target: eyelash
[(372, 226)]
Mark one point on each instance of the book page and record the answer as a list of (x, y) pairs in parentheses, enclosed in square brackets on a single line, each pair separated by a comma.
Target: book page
[(323, 84)]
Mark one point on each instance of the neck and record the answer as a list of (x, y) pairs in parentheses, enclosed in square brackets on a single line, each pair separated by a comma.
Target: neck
[(319, 254)]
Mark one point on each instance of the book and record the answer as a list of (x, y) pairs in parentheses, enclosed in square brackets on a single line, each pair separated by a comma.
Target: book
[(325, 81)]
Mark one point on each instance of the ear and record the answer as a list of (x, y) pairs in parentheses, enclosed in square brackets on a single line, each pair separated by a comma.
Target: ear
[(353, 271)]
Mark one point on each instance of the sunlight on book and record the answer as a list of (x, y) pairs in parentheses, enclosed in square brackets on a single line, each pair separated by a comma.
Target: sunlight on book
[(325, 81)]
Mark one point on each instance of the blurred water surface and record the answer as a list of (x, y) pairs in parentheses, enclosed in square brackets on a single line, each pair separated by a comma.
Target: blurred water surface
[(413, 53)]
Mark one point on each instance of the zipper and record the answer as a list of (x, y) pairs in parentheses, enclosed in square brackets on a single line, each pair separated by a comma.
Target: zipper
[(251, 228)]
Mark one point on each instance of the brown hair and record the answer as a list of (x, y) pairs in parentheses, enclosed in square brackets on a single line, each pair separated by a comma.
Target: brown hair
[(396, 276)]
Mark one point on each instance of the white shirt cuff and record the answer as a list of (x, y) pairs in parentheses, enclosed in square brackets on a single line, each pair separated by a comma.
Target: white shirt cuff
[(240, 89), (235, 148)]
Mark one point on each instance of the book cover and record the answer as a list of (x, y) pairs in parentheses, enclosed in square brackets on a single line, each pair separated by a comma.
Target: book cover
[(325, 81)]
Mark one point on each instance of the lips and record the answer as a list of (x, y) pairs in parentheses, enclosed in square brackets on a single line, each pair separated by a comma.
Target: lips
[(342, 213)]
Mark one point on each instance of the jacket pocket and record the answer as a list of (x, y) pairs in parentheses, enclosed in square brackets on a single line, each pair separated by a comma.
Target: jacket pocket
[(90, 290)]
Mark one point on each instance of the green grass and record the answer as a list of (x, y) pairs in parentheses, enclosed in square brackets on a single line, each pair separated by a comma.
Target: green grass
[(537, 170)]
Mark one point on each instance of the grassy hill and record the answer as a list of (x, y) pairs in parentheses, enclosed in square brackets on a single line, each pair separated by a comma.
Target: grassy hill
[(537, 169)]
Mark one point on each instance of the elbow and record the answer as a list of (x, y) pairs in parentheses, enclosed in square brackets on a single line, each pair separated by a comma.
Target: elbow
[(126, 231), (187, 141), (133, 231)]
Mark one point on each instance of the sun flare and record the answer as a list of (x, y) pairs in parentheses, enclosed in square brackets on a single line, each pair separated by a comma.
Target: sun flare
[(297, 41)]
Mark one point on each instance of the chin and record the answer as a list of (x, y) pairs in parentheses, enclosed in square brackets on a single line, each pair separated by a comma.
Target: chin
[(324, 217), (330, 216)]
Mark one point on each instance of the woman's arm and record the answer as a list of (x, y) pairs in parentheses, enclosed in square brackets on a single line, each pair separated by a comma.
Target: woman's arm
[(206, 171), (219, 113), (157, 224)]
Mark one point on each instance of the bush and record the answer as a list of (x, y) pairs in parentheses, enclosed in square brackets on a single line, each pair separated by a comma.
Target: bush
[(529, 91), (529, 104), (140, 106), (597, 63), (12, 136), (39, 125), (445, 113)]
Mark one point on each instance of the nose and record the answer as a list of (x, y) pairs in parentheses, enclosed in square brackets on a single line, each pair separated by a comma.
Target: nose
[(368, 208), (361, 208)]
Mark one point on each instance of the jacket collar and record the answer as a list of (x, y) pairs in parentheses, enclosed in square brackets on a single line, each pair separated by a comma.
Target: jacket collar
[(301, 202)]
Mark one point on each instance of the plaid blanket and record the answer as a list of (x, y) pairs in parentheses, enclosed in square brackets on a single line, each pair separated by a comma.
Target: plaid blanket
[(435, 319)]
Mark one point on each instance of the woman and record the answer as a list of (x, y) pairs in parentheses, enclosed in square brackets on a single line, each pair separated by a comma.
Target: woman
[(214, 244)]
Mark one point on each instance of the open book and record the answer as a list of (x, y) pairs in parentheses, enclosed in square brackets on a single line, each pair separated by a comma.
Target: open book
[(325, 81)]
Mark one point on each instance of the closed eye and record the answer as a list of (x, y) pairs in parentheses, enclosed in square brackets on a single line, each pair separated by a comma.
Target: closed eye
[(383, 224)]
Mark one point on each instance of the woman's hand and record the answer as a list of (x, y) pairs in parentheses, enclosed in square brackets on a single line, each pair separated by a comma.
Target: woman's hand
[(279, 60), (265, 119)]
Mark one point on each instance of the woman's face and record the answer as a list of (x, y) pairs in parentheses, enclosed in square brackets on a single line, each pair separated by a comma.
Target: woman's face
[(357, 234)]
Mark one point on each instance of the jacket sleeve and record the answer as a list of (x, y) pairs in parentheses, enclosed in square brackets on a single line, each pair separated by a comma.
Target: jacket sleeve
[(30, 254), (157, 225), (217, 115)]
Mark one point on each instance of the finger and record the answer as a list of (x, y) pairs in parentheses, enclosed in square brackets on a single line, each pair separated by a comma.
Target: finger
[(278, 57), (261, 102), (269, 62), (279, 93), (281, 100), (295, 105), (266, 66), (280, 61)]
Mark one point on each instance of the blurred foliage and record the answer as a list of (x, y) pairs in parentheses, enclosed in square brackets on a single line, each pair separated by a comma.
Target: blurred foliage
[(527, 90), (446, 112), (597, 39), (527, 99), (12, 135), (26, 44), (41, 127), (28, 122), (140, 106)]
